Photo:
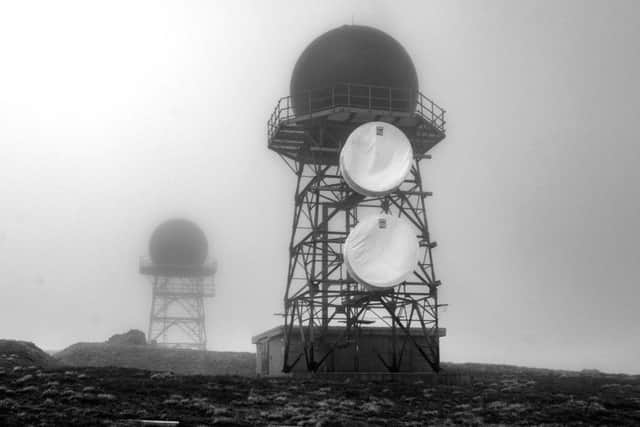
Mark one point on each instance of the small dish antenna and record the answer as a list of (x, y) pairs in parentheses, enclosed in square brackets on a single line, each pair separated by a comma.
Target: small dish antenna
[(381, 251), (376, 158)]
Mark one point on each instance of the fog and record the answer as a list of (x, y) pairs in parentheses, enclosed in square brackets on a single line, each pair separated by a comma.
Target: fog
[(115, 116)]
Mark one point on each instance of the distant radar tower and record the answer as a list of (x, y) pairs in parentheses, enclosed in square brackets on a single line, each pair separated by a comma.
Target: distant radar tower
[(181, 277)]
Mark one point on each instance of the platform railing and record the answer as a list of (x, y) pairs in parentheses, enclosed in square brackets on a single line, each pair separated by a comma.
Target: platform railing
[(348, 95), (205, 270)]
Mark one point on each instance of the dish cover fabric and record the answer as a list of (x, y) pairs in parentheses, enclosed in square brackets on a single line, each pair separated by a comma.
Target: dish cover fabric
[(376, 158), (381, 251)]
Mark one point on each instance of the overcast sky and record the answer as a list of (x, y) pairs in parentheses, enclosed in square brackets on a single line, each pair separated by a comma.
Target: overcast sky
[(117, 115)]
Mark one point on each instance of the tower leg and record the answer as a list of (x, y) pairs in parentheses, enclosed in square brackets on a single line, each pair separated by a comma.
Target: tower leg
[(177, 317)]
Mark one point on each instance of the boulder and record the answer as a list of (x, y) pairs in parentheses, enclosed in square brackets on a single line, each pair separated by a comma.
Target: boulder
[(133, 337)]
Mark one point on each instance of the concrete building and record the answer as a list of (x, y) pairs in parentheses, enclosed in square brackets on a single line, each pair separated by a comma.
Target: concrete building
[(370, 351)]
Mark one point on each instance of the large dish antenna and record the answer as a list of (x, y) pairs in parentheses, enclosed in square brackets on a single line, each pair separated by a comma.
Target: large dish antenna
[(376, 158), (381, 251)]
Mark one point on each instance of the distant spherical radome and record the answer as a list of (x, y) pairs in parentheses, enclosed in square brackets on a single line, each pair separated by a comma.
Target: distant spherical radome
[(178, 242), (353, 54)]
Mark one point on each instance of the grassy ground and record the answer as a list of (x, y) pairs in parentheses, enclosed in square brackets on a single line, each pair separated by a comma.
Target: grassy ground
[(119, 396), (36, 389), (158, 358)]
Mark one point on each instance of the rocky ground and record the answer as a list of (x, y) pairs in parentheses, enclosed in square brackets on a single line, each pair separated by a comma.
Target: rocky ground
[(130, 350), (36, 389), (119, 396), (22, 353), (180, 361)]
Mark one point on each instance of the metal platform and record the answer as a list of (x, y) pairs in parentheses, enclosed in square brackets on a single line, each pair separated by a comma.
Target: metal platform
[(311, 127), (147, 267)]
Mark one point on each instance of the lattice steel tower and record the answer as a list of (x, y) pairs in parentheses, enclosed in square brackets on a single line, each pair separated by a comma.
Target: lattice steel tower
[(181, 278), (346, 77)]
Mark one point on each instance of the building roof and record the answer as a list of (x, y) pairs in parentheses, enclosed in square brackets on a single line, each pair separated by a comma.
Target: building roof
[(334, 330)]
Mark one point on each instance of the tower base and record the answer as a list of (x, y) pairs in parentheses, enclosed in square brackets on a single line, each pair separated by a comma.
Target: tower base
[(177, 315), (366, 350)]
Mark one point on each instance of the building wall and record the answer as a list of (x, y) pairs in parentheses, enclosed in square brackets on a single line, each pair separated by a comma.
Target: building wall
[(364, 358), (270, 356), (262, 354), (276, 355)]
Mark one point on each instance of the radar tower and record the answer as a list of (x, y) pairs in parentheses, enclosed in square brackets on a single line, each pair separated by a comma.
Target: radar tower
[(350, 76), (181, 278)]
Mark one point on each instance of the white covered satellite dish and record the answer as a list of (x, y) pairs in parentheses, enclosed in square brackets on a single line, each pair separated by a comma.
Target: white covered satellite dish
[(381, 251), (376, 158)]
